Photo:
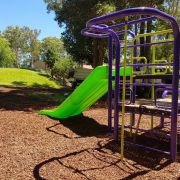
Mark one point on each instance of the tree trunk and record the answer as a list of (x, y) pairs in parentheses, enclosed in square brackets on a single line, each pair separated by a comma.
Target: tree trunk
[(142, 40), (98, 52), (148, 40)]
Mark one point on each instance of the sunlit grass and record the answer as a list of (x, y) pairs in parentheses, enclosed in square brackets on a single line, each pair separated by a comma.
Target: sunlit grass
[(23, 77)]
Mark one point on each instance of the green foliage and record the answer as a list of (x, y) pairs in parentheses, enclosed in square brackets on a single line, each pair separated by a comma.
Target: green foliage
[(164, 51), (104, 8), (7, 56), (73, 14), (34, 46), (23, 77), (173, 8), (52, 50), (64, 69), (23, 42)]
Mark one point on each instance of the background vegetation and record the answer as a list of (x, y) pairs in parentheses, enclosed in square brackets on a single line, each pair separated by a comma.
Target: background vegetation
[(21, 48)]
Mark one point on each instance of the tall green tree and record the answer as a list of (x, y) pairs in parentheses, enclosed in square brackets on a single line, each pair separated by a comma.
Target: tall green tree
[(7, 56), (34, 46), (52, 50), (73, 15), (173, 8), (22, 40)]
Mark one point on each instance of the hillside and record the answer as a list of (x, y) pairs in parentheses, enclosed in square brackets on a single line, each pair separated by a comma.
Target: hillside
[(23, 77)]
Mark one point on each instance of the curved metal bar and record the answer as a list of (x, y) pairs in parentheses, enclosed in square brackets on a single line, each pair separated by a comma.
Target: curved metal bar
[(134, 11), (95, 35), (133, 22), (117, 80)]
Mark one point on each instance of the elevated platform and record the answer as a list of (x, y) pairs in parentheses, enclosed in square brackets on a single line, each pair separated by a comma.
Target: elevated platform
[(147, 109)]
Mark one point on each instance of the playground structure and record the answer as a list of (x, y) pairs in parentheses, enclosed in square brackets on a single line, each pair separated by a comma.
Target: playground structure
[(144, 72), (131, 71)]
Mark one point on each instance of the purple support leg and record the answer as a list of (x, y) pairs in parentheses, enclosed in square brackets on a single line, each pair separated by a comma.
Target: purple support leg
[(175, 96), (110, 85), (116, 92)]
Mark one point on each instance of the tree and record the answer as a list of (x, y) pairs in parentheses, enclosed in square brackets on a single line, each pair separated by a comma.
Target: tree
[(22, 41), (52, 50), (34, 46), (7, 57), (73, 14), (64, 69), (173, 8)]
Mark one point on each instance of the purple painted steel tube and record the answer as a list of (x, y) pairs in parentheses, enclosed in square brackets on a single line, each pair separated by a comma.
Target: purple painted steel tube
[(149, 44), (150, 64), (133, 22), (94, 34), (175, 93), (116, 39), (148, 148), (134, 80), (110, 84), (158, 14), (116, 92), (148, 130), (148, 84), (133, 11)]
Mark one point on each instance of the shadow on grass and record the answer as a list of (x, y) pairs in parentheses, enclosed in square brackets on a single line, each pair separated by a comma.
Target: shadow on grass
[(37, 85), (45, 75), (40, 85), (19, 83)]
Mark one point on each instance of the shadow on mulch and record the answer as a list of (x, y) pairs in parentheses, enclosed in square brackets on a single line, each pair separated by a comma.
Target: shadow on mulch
[(29, 99), (141, 158), (82, 126), (87, 127)]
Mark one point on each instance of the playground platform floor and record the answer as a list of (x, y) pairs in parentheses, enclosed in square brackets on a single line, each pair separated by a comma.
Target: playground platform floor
[(37, 147)]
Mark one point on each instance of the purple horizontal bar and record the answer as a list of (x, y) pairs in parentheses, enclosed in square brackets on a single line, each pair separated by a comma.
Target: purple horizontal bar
[(133, 12), (90, 33), (147, 84), (149, 44), (148, 64), (133, 22), (149, 148), (146, 130)]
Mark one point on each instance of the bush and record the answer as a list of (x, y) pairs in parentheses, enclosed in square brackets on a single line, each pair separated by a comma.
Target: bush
[(64, 69)]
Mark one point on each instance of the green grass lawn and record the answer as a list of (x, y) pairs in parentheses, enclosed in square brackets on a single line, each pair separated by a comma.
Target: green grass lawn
[(23, 77)]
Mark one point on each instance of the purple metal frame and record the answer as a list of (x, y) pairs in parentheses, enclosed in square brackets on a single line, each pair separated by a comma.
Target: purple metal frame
[(98, 27)]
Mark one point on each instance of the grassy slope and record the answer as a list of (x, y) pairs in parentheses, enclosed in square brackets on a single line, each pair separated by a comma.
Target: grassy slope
[(23, 77)]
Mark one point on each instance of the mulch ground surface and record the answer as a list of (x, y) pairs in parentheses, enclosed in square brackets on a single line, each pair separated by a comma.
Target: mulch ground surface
[(33, 146)]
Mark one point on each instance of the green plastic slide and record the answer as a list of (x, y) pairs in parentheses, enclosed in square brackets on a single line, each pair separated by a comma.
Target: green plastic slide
[(89, 91)]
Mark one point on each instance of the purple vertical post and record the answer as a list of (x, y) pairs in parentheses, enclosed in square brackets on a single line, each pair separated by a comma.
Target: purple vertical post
[(116, 91), (134, 80), (175, 96), (110, 84)]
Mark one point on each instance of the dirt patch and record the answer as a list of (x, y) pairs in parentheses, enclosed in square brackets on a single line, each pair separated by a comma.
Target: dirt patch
[(37, 147)]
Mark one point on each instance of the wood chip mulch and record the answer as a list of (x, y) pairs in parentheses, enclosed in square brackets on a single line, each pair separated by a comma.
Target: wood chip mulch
[(37, 147)]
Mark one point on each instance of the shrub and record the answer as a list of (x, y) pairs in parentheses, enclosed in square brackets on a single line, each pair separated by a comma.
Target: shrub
[(64, 69)]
